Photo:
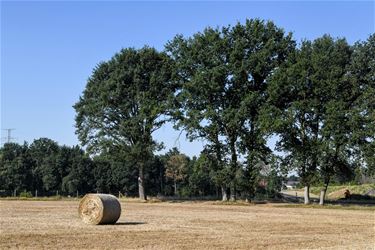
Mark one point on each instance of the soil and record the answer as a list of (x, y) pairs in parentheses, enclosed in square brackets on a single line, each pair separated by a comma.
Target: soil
[(185, 225)]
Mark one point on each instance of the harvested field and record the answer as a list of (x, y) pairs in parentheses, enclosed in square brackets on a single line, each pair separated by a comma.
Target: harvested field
[(186, 225)]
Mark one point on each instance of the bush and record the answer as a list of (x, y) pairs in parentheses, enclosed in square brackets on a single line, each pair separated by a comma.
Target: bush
[(26, 194), (185, 192), (56, 197), (260, 197)]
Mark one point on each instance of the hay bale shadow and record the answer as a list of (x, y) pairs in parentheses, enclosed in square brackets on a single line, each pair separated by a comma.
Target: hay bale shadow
[(129, 223)]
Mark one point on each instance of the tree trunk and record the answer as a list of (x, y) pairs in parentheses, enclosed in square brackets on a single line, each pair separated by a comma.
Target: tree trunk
[(224, 193), (161, 180), (307, 194), (233, 169), (232, 192), (141, 184), (321, 198), (175, 188), (323, 194)]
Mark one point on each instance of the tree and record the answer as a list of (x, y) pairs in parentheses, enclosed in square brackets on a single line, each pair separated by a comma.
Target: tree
[(114, 171), (155, 176), (80, 176), (125, 101), (259, 49), (219, 171), (45, 173), (200, 65), (64, 163), (15, 167), (270, 177), (362, 74), (223, 75), (176, 169), (310, 102), (201, 181)]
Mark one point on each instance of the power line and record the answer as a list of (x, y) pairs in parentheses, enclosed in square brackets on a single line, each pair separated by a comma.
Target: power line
[(9, 137)]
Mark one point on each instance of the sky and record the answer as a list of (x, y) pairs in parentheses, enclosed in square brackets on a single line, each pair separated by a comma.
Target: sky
[(49, 49)]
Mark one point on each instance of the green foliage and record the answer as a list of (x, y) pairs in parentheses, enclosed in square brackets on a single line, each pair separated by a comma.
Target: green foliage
[(15, 167), (311, 100), (113, 172), (353, 189), (44, 152), (80, 175), (46, 167), (223, 76), (362, 74), (233, 87), (155, 176), (25, 194), (200, 180), (269, 178), (274, 184), (125, 101)]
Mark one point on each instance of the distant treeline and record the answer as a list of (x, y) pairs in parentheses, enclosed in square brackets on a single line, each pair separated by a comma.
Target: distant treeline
[(45, 168)]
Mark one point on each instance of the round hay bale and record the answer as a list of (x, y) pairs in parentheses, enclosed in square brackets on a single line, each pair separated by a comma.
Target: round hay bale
[(99, 209)]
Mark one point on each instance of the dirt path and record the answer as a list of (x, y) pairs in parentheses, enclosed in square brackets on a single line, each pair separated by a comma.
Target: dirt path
[(55, 224)]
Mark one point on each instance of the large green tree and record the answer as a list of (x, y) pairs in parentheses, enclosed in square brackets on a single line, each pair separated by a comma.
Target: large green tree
[(311, 98), (223, 76), (125, 101), (362, 73), (200, 63), (259, 48)]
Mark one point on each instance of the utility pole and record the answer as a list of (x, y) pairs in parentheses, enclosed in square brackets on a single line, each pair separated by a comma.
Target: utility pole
[(9, 137)]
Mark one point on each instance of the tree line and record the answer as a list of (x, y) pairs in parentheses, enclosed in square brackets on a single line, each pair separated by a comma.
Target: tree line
[(235, 87), (45, 168)]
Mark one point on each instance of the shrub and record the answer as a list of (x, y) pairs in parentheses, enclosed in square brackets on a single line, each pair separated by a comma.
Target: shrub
[(26, 194)]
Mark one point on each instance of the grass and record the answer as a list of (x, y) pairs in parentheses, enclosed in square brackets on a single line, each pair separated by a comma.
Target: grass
[(50, 198), (335, 192), (354, 189), (65, 198), (328, 206), (232, 203)]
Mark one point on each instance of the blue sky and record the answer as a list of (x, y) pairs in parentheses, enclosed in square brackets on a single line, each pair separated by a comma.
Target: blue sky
[(48, 49)]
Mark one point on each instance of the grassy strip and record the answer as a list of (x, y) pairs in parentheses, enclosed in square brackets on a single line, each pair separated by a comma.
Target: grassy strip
[(50, 198), (329, 206), (354, 189), (65, 198), (231, 203)]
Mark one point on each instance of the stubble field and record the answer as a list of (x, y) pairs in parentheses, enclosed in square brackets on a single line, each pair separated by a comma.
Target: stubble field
[(186, 225)]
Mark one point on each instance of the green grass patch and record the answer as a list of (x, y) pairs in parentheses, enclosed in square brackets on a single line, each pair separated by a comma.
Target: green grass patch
[(239, 203), (50, 198), (137, 200), (336, 192), (328, 206)]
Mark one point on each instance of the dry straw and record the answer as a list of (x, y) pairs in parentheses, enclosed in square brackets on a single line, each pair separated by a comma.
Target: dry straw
[(99, 209)]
